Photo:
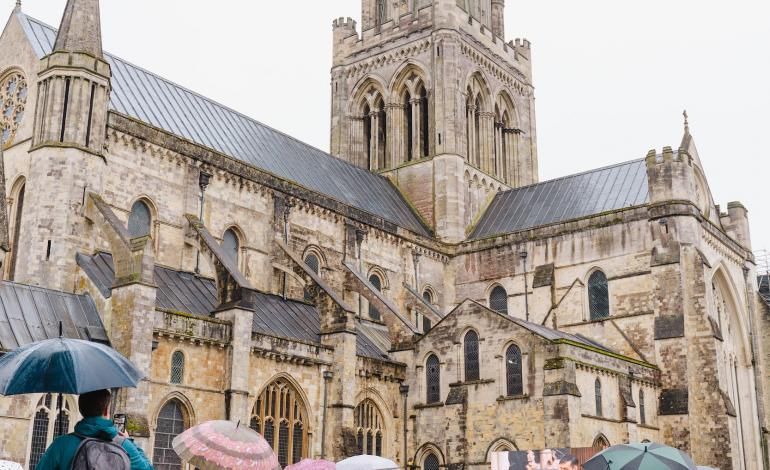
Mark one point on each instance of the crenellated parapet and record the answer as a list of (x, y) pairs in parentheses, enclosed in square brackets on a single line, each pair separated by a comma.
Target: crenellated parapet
[(670, 175)]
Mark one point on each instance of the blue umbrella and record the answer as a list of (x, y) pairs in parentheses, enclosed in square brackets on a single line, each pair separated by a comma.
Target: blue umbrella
[(645, 456), (65, 366)]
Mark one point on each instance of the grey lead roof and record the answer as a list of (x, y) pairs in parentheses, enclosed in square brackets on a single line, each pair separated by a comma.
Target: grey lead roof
[(180, 291), (764, 288), (29, 314), (147, 97), (571, 197)]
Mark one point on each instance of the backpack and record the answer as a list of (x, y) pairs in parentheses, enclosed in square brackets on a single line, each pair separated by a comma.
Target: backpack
[(98, 454)]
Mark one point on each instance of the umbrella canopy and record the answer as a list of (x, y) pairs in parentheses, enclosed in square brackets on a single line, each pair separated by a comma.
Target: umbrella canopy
[(640, 457), (366, 462), (309, 464), (7, 465), (224, 445), (68, 366)]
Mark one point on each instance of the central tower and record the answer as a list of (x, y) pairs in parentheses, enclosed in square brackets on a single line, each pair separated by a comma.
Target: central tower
[(430, 95)]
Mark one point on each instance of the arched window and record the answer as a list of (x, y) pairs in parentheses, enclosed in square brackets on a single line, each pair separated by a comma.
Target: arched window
[(369, 422), (598, 296), (374, 280), (16, 231), (13, 100), (231, 245), (281, 403), (642, 417), (433, 379), (431, 462), (312, 262), (409, 126), (513, 371), (45, 429), (424, 122), (140, 220), (427, 296), (177, 367), (171, 423), (471, 350), (598, 397), (498, 300)]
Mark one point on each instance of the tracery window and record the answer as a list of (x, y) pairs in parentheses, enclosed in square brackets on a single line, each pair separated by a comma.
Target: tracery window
[(171, 423), (598, 296), (368, 420), (13, 99), (513, 371), (374, 279), (139, 220), (431, 462), (642, 417), (598, 397), (177, 367), (471, 351), (45, 429), (433, 380), (498, 300), (281, 403), (231, 244)]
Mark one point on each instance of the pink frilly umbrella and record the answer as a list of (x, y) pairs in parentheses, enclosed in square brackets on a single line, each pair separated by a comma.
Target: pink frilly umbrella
[(224, 445), (309, 464)]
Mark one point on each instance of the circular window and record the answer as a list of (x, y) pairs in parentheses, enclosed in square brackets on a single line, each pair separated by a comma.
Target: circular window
[(13, 98)]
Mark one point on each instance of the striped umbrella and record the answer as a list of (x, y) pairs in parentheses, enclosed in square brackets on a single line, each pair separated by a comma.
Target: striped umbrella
[(309, 464), (224, 445), (648, 456)]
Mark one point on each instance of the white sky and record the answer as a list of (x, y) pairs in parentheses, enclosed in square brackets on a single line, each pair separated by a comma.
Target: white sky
[(612, 77)]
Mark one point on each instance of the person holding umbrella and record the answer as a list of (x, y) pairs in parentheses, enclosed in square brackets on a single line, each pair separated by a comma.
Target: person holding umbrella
[(95, 427)]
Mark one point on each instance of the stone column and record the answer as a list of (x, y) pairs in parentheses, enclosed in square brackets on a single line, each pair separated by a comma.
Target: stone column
[(472, 154), (374, 142), (238, 363), (416, 129), (488, 136)]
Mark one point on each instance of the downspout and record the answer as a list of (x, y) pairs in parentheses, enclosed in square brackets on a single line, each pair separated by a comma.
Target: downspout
[(404, 390), (523, 255), (327, 374), (286, 212), (203, 182)]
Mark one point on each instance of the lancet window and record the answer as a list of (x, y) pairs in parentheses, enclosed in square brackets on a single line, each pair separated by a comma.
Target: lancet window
[(369, 428)]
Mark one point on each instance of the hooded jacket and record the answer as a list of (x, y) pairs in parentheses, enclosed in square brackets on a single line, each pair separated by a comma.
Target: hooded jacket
[(60, 454)]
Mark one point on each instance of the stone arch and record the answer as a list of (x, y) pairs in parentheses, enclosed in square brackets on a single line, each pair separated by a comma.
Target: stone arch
[(477, 85), (316, 251), (425, 450), (601, 442), (379, 272), (408, 75), (429, 291), (386, 412), (297, 388), (497, 289), (152, 208), (409, 113), (723, 280), (509, 370), (186, 405), (501, 444), (505, 103), (239, 232), (15, 212), (366, 91), (161, 446)]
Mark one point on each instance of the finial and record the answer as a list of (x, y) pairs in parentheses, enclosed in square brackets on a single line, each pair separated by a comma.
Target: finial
[(18, 5), (686, 121)]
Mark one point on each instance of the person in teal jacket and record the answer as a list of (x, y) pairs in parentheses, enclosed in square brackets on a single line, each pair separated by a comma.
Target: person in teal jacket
[(94, 407)]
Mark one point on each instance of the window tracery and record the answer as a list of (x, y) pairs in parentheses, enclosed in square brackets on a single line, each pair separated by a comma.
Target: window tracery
[(598, 296), (13, 99), (171, 423), (280, 416), (369, 423), (45, 429)]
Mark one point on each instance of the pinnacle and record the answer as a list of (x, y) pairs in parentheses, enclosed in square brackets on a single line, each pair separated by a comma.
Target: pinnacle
[(80, 29)]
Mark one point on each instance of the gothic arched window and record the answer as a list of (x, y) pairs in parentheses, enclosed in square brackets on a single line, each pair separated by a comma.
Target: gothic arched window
[(433, 380), (431, 462), (375, 280), (171, 423), (424, 122), (598, 397), (16, 232), (140, 220), (513, 371), (471, 351), (642, 417), (312, 262), (45, 429), (498, 300), (281, 403), (369, 422), (427, 296), (231, 245), (408, 127), (13, 99), (177, 367), (598, 296)]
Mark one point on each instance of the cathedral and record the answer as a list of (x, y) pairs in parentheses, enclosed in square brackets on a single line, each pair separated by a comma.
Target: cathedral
[(417, 293)]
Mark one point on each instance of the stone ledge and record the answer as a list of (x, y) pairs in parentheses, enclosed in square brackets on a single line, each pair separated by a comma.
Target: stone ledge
[(602, 418), (513, 398), (422, 406), (473, 382)]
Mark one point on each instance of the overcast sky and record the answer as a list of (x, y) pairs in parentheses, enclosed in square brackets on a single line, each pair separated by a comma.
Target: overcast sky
[(612, 77)]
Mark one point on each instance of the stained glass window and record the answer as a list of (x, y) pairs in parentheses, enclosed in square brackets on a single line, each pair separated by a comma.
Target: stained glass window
[(598, 395), (498, 300), (374, 314), (471, 350), (368, 420), (598, 296), (139, 220), (231, 245), (433, 379), (171, 423), (513, 371), (431, 463), (13, 99), (280, 403), (177, 367)]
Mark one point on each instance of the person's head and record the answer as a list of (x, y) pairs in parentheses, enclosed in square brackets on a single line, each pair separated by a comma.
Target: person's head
[(94, 404)]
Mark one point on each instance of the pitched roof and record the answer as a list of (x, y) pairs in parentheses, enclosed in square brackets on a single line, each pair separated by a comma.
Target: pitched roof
[(764, 288), (181, 291), (161, 103), (29, 314), (571, 197)]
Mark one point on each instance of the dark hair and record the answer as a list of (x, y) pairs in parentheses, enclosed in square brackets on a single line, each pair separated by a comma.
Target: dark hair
[(93, 404)]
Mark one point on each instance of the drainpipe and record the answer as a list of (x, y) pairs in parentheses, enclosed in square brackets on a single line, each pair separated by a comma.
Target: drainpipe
[(286, 212), (523, 255), (404, 390), (327, 378), (203, 182)]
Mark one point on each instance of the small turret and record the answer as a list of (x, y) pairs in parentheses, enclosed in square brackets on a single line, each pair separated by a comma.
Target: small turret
[(345, 33), (670, 176), (736, 223), (498, 18)]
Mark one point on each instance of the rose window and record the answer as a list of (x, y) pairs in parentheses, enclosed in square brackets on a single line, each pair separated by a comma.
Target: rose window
[(13, 97)]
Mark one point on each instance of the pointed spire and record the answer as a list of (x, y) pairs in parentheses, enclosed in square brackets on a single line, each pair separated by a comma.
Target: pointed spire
[(80, 29), (18, 6)]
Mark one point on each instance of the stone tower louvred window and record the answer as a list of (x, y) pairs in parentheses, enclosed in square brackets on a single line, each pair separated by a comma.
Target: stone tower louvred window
[(369, 423), (231, 245), (513, 371), (598, 397), (471, 351), (177, 367), (642, 417), (281, 403), (45, 429), (433, 380), (431, 462), (140, 220), (598, 296), (498, 300), (171, 423), (374, 280)]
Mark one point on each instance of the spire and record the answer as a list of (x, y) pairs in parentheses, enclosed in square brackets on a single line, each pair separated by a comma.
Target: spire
[(80, 29), (18, 5)]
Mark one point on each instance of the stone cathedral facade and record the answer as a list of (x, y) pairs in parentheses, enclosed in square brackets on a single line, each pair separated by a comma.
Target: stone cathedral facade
[(417, 294)]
